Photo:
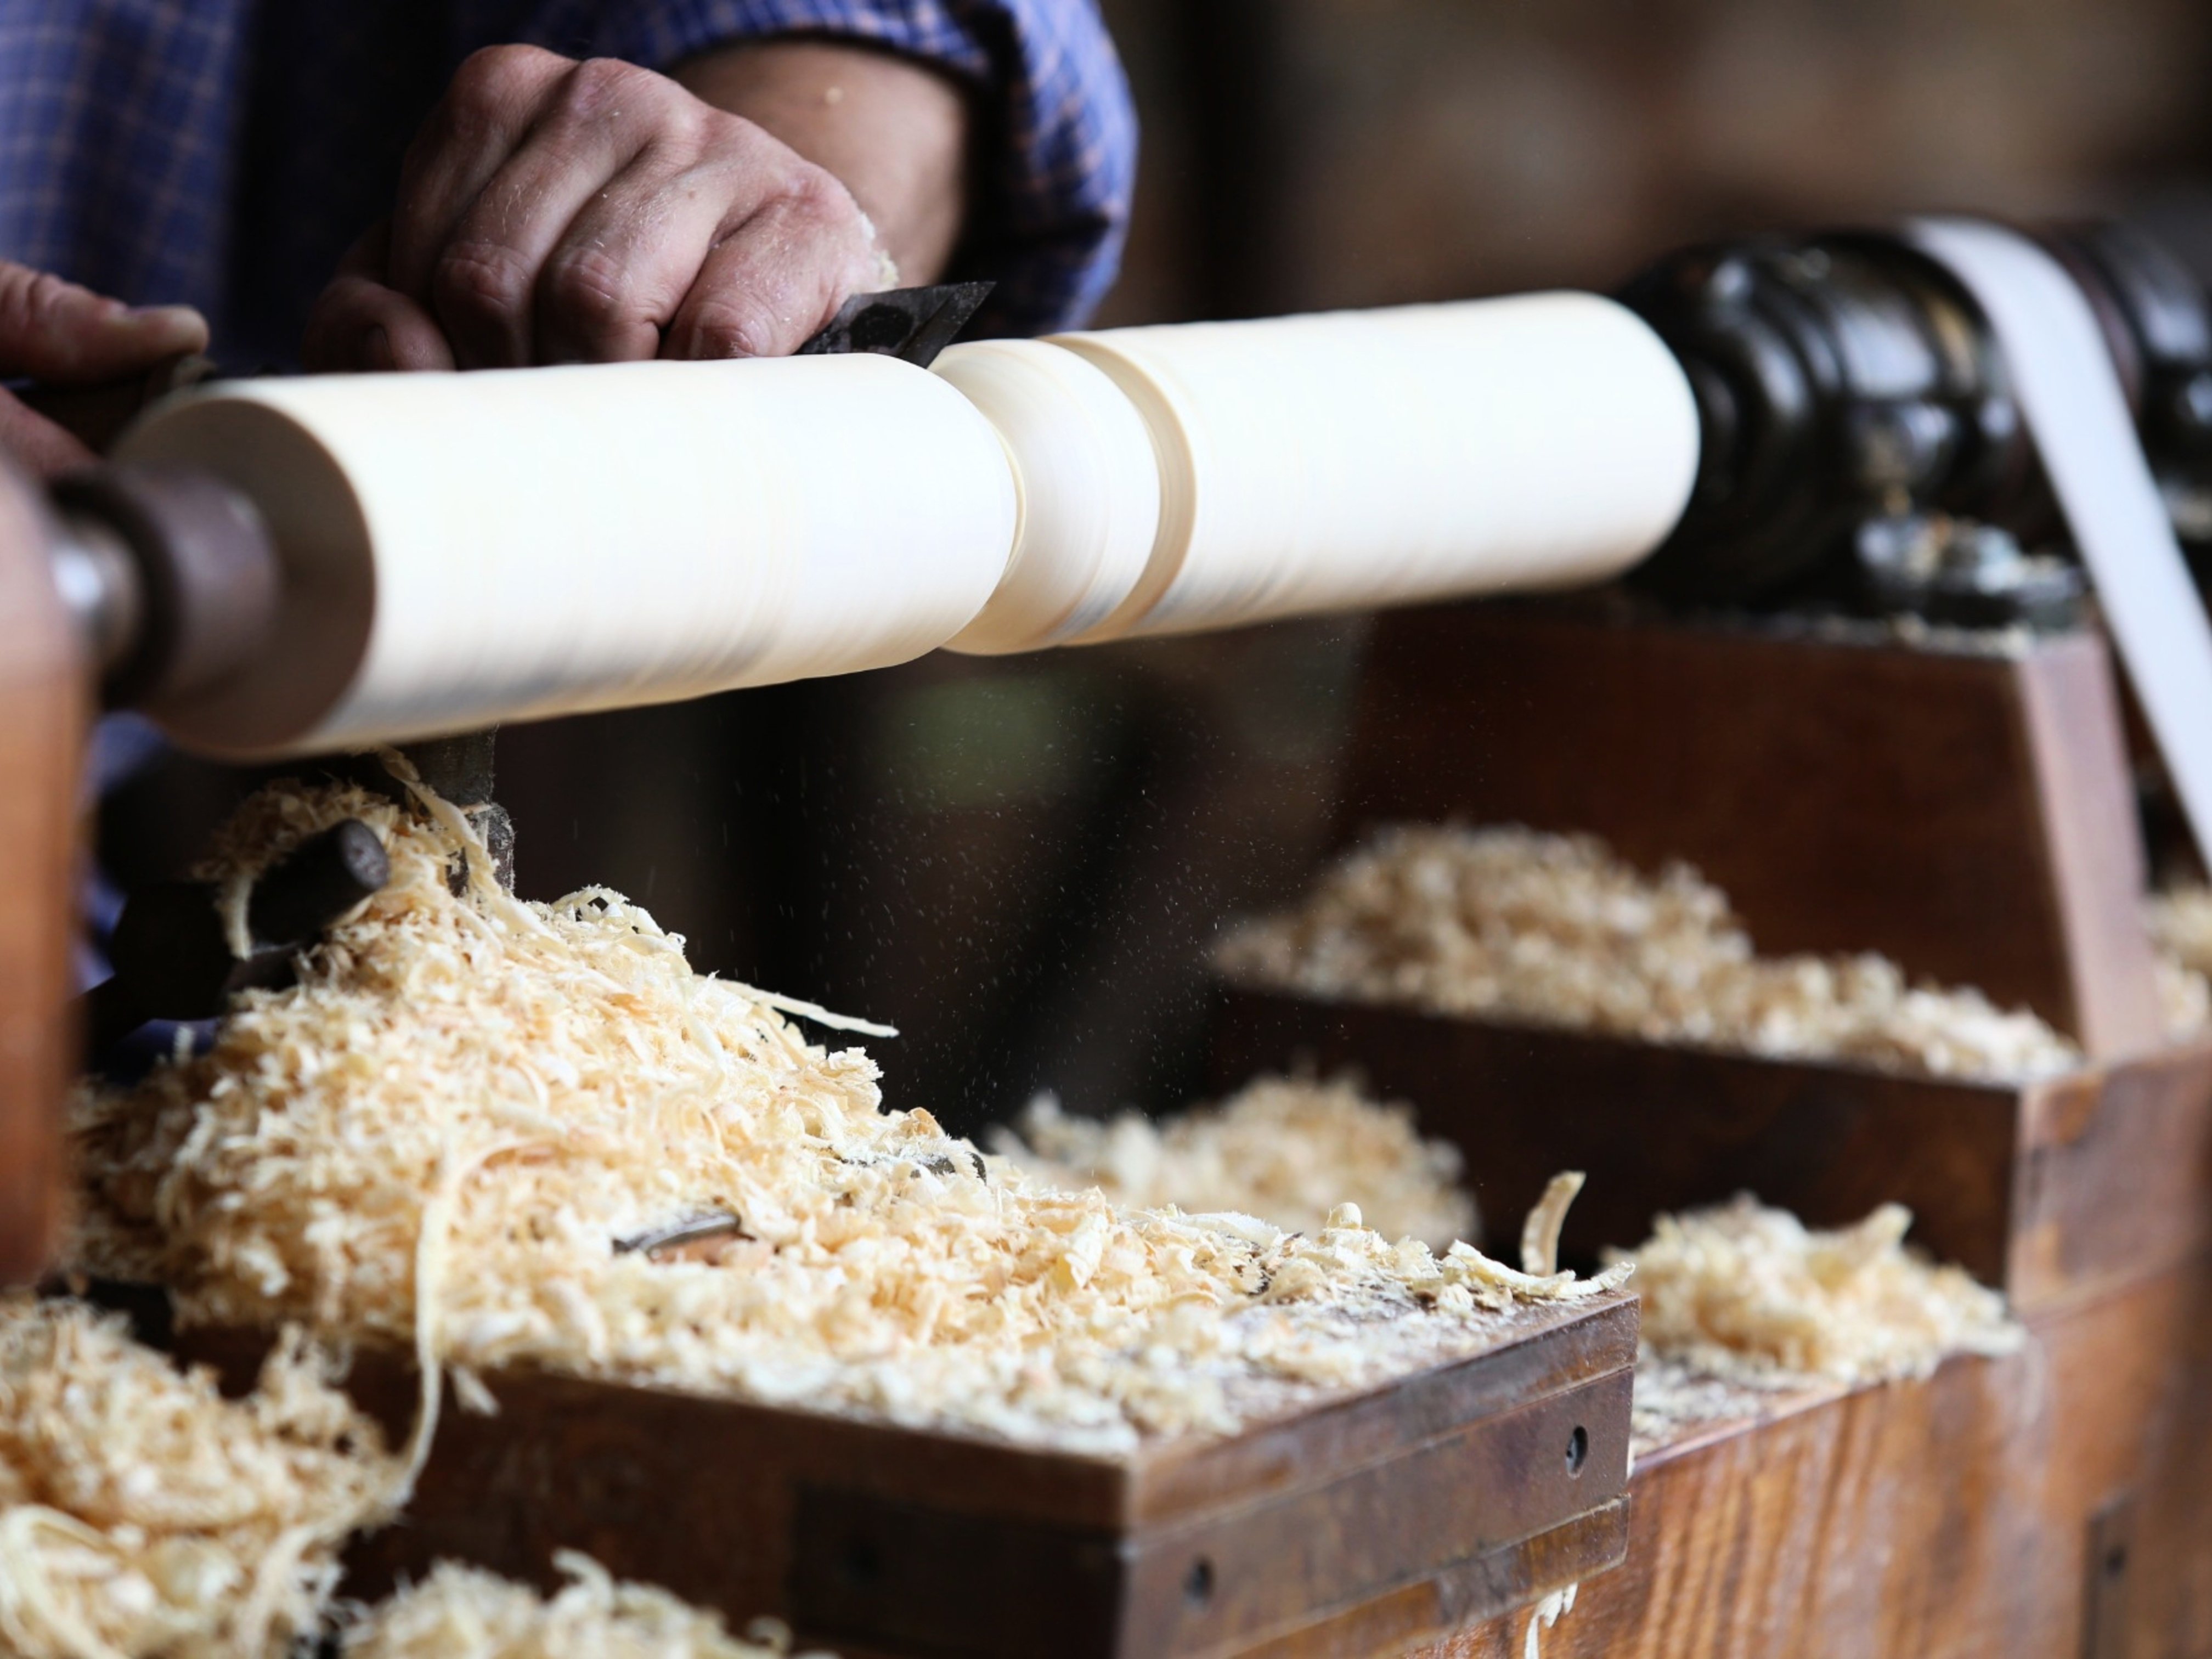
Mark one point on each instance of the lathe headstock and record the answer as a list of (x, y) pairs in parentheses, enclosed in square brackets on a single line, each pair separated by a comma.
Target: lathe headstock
[(1861, 438)]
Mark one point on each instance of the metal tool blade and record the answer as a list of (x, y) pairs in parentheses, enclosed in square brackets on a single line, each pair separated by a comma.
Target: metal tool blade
[(720, 1224), (911, 323)]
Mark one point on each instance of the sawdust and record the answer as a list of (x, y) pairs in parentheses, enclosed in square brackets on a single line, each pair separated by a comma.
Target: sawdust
[(1287, 1149), (1511, 924), (450, 1128), (1675, 1399), (141, 1514), (463, 1612), (2180, 921), (1745, 1292)]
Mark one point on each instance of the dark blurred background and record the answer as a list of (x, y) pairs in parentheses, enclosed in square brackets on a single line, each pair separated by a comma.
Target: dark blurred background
[(1019, 861)]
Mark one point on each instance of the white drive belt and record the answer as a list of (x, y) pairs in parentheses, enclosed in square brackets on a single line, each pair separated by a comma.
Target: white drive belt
[(2069, 394)]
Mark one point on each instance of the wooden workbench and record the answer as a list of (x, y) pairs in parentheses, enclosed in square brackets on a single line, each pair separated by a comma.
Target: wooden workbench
[(2057, 1503), (2046, 1189), (1363, 1524), (2050, 1504)]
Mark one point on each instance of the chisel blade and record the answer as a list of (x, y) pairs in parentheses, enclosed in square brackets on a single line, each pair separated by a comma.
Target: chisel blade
[(911, 323)]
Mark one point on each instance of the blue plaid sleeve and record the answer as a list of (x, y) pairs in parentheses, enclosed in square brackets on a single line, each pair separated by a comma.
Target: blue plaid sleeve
[(116, 127), (1061, 138)]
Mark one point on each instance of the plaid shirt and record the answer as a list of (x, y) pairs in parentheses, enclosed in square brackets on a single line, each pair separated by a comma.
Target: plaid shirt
[(224, 153)]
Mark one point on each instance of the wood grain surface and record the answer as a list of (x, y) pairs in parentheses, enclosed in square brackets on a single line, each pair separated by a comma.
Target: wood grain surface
[(1382, 1518), (42, 717), (2049, 1191), (1969, 816), (2054, 1504)]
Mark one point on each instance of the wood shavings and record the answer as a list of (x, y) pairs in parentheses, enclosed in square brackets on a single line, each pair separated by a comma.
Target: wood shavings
[(141, 1514), (1540, 1233), (2181, 922), (556, 1080), (1674, 1399), (816, 1011), (1545, 1615), (1748, 1292), (1288, 1149), (1511, 924), (462, 1613), (2181, 928)]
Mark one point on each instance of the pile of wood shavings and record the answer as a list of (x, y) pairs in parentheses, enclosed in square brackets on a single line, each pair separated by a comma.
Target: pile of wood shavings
[(2181, 927), (141, 1514), (1287, 1149), (1745, 1292), (1512, 924), (2181, 922), (468, 1108), (462, 1613)]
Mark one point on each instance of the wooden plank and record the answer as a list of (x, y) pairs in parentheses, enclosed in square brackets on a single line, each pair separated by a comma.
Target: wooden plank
[(2085, 798), (1658, 1127), (1435, 1504), (2116, 1177), (1445, 1496), (1552, 1348), (1513, 1575), (1966, 815), (1969, 1516), (1302, 1563), (2048, 1191), (43, 692)]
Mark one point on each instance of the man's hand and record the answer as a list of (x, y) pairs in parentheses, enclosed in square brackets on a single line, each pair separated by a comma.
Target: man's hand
[(58, 333), (556, 212)]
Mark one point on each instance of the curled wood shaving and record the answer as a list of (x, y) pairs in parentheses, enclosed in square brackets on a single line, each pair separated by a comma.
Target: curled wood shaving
[(444, 1131), (1545, 1615), (1511, 924), (461, 1612), (1288, 1149), (141, 1514), (1748, 1292), (1540, 1233)]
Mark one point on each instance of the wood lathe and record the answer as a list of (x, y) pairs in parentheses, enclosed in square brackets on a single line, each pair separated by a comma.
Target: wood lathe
[(292, 568)]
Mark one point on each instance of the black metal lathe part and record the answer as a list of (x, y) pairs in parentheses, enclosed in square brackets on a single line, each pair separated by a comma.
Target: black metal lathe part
[(326, 877), (172, 960), (911, 323), (1837, 378), (1847, 381)]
